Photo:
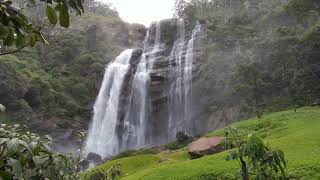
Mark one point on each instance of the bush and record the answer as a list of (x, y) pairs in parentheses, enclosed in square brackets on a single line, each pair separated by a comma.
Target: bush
[(174, 145), (182, 141), (26, 156), (256, 159), (129, 153), (98, 174)]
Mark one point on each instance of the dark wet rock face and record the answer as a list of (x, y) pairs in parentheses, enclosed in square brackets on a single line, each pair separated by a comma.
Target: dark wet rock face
[(135, 57)]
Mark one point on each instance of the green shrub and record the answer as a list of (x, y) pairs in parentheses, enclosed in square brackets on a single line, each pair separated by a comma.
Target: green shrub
[(25, 155), (98, 174), (175, 145), (145, 151), (256, 159)]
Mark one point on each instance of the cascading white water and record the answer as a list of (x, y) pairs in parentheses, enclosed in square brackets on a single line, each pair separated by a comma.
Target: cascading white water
[(187, 79), (102, 138), (181, 60), (140, 82), (135, 119), (156, 45), (175, 96)]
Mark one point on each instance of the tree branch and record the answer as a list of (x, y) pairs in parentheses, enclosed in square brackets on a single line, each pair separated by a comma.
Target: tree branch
[(14, 51)]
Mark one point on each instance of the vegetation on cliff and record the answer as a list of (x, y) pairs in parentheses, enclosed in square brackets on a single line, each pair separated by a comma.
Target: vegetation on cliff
[(52, 88), (261, 56)]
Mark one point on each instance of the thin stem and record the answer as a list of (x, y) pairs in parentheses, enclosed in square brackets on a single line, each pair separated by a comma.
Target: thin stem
[(14, 51)]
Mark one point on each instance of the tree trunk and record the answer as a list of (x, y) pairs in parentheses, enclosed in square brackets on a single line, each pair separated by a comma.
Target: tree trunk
[(244, 170)]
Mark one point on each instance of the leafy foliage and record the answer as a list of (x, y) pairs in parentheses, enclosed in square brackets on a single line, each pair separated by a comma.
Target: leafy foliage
[(100, 8), (25, 155), (182, 140), (61, 80), (254, 156), (98, 174), (15, 26), (251, 86)]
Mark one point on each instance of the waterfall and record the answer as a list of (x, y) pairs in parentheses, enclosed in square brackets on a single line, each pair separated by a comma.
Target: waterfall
[(187, 80), (156, 47), (181, 64), (102, 138), (135, 119), (137, 85), (175, 96)]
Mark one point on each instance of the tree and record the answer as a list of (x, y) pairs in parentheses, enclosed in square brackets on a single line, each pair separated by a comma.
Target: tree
[(100, 8), (255, 157), (250, 84), (16, 29), (199, 9)]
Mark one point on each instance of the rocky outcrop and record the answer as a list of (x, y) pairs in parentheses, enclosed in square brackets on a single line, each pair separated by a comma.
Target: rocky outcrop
[(93, 157), (205, 146)]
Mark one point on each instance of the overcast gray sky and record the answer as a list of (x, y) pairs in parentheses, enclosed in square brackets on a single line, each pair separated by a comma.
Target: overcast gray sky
[(143, 11)]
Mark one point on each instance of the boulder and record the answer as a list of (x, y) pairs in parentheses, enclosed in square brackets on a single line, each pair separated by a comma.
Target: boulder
[(205, 146), (93, 157)]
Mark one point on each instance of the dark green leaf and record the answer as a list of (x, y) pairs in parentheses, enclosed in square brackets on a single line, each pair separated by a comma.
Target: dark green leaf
[(32, 40), (51, 14), (20, 41), (1, 163), (5, 175), (64, 16), (3, 31), (9, 39)]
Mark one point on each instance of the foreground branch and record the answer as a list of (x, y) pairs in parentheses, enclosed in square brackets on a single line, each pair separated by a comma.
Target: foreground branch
[(14, 51)]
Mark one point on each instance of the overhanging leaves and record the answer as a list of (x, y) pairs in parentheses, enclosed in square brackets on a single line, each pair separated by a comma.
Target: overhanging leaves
[(51, 14), (16, 29), (64, 15)]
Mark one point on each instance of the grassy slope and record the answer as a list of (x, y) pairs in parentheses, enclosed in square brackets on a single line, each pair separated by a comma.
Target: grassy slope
[(297, 134)]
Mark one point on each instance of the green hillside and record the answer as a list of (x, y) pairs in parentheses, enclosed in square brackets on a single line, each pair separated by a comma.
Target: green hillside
[(296, 133)]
